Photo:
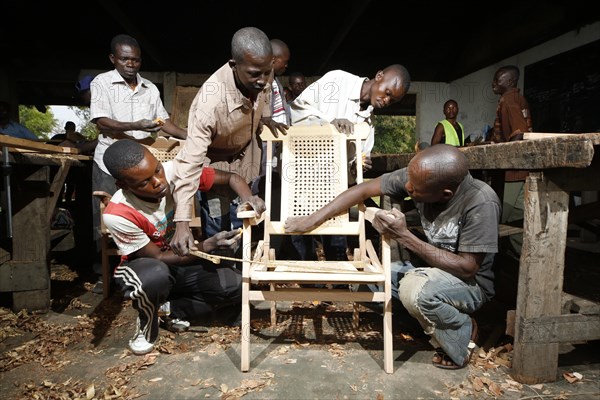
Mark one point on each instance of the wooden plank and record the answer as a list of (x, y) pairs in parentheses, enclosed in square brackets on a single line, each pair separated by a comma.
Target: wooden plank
[(576, 178), (31, 230), (58, 233), (308, 277), (56, 185), (540, 275), (382, 163), (31, 300), (397, 252), (314, 294), (349, 228), (165, 144), (30, 277), (575, 150), (30, 157), (567, 302), (559, 329), (510, 322), (507, 230), (585, 307), (579, 305), (540, 135), (6, 140), (24, 275), (557, 152)]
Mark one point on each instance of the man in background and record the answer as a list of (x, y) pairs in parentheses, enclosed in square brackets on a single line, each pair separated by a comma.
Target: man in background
[(297, 84), (83, 90), (513, 119), (13, 128), (449, 130), (123, 105)]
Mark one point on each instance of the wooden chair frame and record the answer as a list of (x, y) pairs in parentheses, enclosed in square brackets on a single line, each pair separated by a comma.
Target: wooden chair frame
[(108, 249), (315, 170)]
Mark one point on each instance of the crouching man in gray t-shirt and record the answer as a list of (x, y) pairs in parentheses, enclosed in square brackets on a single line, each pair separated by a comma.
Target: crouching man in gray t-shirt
[(460, 217)]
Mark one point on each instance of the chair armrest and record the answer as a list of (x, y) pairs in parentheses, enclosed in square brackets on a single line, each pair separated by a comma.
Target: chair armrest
[(251, 216), (103, 196), (246, 211)]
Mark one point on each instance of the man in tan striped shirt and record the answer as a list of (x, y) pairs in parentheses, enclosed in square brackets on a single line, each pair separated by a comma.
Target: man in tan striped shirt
[(224, 122)]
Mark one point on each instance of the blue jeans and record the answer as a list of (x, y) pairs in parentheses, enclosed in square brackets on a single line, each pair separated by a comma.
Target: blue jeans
[(214, 221), (398, 268), (219, 213), (442, 303)]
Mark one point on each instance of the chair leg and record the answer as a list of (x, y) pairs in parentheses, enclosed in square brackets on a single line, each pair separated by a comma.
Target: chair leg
[(273, 308), (388, 354), (106, 273), (272, 288), (245, 332), (355, 315)]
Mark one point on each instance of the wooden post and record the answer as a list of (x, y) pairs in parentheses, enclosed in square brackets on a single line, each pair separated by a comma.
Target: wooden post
[(540, 276), (30, 280)]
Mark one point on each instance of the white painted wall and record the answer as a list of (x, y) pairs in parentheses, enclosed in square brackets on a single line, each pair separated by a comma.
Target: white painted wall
[(476, 101)]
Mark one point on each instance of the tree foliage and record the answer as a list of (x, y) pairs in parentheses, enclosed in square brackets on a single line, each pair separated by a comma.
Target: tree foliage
[(41, 124), (44, 124), (394, 134), (89, 130)]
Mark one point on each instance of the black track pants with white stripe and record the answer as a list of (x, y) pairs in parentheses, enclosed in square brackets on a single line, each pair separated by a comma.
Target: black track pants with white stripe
[(193, 290)]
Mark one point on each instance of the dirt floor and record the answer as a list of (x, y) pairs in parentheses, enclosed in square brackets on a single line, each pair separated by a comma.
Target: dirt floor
[(78, 350)]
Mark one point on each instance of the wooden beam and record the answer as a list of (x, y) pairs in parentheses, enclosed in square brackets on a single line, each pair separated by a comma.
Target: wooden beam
[(10, 141), (55, 187), (507, 230), (17, 276), (314, 294), (540, 135), (560, 329), (572, 303), (574, 151), (576, 178), (383, 163), (540, 275), (556, 152)]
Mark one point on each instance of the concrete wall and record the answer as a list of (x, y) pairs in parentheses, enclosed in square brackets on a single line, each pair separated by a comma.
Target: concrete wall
[(476, 101)]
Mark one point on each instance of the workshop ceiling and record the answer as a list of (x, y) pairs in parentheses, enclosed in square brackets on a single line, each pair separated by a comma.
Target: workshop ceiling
[(436, 41)]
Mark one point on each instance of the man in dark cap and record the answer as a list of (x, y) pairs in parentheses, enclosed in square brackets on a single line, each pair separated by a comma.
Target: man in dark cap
[(83, 89)]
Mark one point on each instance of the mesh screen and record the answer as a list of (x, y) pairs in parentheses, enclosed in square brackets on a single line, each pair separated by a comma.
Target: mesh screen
[(314, 178), (162, 155)]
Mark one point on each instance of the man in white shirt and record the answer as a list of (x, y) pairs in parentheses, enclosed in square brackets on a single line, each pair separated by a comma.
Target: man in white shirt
[(344, 99), (123, 105)]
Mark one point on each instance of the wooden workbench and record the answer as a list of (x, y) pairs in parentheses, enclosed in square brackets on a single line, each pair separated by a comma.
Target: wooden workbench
[(545, 316), (38, 172)]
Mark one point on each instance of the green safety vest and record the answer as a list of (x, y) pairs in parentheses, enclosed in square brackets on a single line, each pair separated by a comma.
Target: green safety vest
[(451, 135)]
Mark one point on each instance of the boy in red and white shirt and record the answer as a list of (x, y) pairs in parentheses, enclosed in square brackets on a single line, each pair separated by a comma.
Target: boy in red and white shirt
[(140, 218)]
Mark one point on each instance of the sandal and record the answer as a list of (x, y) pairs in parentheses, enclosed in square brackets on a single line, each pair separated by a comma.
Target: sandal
[(445, 362), (442, 360)]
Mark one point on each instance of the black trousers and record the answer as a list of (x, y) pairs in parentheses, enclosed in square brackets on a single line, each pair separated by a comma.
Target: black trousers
[(193, 290)]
